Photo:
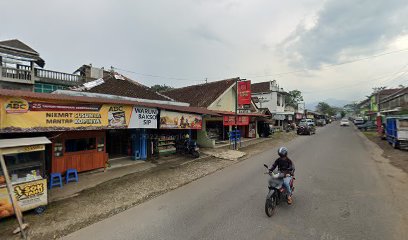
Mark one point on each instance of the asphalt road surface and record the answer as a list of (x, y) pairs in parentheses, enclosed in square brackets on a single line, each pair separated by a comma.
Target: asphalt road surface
[(339, 195)]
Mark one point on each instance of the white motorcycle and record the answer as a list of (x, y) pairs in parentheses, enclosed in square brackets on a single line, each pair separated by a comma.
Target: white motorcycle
[(276, 192)]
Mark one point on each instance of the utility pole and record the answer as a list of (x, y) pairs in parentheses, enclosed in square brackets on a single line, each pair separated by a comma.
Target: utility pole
[(236, 113)]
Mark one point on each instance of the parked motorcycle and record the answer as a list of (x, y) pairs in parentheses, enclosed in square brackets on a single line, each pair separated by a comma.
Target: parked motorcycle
[(188, 146), (305, 129), (276, 192)]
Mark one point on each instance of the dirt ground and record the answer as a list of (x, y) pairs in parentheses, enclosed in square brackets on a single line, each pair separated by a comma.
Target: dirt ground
[(107, 199), (397, 157)]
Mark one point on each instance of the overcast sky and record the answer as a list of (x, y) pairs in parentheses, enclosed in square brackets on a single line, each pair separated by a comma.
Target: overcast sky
[(182, 42)]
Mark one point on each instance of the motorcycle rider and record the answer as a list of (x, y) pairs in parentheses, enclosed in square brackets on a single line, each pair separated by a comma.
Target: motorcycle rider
[(285, 166)]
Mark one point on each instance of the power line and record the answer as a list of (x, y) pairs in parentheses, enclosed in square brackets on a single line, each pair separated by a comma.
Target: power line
[(260, 76), (332, 65), (156, 76), (362, 82)]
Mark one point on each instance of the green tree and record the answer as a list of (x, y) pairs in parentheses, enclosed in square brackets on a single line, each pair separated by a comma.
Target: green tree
[(325, 108), (160, 88), (293, 98)]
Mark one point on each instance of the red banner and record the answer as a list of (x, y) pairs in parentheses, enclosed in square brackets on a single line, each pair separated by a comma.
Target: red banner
[(244, 92), (241, 120)]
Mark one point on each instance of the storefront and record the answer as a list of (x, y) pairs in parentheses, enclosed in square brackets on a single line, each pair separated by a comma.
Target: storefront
[(242, 123), (215, 129), (81, 150), (77, 130), (174, 126)]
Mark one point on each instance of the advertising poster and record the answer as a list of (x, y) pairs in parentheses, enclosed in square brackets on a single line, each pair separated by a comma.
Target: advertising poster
[(178, 120), (241, 120), (244, 93), (21, 115), (28, 195), (144, 118)]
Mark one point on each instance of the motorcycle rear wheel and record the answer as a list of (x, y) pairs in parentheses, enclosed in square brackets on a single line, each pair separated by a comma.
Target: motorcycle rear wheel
[(196, 154), (270, 206)]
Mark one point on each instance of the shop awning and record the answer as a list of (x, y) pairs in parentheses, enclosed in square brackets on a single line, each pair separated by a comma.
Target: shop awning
[(21, 142), (284, 113), (253, 114)]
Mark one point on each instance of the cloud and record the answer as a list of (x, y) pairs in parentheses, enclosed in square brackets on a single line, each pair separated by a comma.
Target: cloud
[(206, 33), (344, 29)]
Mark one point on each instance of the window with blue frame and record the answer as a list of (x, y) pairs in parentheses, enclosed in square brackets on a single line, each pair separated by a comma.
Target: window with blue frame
[(47, 88)]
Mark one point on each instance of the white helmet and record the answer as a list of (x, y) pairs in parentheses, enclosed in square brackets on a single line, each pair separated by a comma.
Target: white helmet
[(282, 151)]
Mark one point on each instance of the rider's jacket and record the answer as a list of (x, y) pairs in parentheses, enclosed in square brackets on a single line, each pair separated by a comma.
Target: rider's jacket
[(284, 165)]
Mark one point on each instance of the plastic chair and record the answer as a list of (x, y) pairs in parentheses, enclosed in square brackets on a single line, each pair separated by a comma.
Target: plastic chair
[(55, 180), (74, 172)]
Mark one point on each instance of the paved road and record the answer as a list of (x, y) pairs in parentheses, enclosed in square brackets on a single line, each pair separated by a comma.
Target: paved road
[(339, 195)]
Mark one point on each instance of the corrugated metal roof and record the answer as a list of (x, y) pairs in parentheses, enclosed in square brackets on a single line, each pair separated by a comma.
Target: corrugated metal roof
[(61, 97), (21, 142)]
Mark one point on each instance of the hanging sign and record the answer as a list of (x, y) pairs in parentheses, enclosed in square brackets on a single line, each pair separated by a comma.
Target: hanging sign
[(178, 120), (144, 118), (241, 120), (24, 115), (244, 93)]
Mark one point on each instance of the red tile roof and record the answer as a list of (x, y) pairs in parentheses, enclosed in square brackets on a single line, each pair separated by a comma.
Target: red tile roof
[(125, 88), (202, 95), (61, 97), (261, 87)]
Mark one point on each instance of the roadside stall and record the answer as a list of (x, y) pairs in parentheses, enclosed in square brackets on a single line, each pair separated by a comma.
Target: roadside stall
[(23, 170)]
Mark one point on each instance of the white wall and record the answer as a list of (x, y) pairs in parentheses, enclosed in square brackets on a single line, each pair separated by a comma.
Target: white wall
[(272, 101)]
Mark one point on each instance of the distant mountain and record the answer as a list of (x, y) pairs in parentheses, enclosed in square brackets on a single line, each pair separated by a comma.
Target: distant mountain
[(331, 101)]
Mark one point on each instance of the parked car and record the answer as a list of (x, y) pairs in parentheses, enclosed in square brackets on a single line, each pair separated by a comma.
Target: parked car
[(369, 125), (305, 129), (358, 121), (321, 122), (344, 122), (397, 131), (308, 121)]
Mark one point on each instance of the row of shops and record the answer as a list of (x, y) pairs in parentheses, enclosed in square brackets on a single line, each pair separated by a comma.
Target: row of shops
[(85, 134)]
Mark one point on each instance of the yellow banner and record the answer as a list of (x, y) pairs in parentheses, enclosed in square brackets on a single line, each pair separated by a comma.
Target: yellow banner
[(18, 114), (28, 195)]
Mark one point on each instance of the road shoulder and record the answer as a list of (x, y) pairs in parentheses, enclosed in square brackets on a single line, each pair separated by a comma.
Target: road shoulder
[(397, 180)]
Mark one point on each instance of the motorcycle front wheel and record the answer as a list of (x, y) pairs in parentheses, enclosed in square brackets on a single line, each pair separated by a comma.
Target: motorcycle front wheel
[(270, 206)]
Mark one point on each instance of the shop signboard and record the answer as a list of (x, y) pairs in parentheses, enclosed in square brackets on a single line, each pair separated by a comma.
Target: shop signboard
[(179, 120), (25, 115), (244, 94), (241, 120), (279, 117), (144, 118), (29, 195), (301, 107)]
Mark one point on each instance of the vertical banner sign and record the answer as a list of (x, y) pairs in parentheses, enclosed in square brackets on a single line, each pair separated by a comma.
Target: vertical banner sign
[(144, 118), (244, 94)]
